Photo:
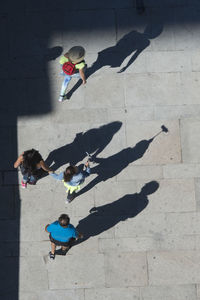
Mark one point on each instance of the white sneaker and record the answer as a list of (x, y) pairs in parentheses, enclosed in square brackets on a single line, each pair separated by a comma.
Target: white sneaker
[(61, 98)]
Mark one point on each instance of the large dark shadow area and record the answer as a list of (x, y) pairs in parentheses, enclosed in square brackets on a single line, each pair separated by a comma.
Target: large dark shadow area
[(92, 141), (114, 164), (25, 91), (104, 217)]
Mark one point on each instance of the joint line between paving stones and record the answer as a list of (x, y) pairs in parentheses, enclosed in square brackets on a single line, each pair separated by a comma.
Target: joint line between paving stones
[(84, 294), (116, 27), (179, 124), (147, 269)]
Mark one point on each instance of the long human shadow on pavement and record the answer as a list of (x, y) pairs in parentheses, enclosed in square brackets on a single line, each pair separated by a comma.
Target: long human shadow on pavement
[(92, 141), (133, 42), (114, 164), (104, 217)]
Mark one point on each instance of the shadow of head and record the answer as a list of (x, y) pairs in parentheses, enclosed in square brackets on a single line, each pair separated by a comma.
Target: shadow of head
[(149, 188), (152, 31), (53, 53)]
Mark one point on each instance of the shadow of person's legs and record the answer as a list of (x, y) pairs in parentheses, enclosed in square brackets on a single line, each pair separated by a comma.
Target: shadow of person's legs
[(89, 186), (75, 87)]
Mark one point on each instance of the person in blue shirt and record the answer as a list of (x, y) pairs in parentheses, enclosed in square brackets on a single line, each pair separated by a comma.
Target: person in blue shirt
[(72, 178), (62, 233)]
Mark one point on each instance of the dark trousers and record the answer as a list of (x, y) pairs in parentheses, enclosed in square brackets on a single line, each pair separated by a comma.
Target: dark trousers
[(71, 196)]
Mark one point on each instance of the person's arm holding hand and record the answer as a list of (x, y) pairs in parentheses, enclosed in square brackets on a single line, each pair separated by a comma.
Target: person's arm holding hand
[(57, 176), (44, 166)]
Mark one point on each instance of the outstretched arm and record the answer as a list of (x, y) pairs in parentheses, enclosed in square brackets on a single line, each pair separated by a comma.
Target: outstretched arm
[(57, 176), (44, 166)]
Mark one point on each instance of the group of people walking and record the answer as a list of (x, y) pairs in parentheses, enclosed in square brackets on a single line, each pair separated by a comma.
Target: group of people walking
[(30, 162), (62, 233)]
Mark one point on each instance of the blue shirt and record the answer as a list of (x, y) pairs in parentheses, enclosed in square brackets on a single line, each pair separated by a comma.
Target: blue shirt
[(60, 233), (76, 179)]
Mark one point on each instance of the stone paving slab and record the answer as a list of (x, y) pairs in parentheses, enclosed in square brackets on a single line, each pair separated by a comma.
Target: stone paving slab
[(166, 199), (7, 143), (76, 294), (175, 267), (9, 280), (105, 195), (111, 95), (183, 223), (113, 293), (7, 206), (135, 244), (170, 292), (87, 267), (144, 243), (172, 112), (195, 61), (147, 172), (118, 274), (54, 295), (181, 171), (178, 61), (9, 230), (144, 225), (190, 141), (33, 275), (164, 149), (157, 89), (197, 193)]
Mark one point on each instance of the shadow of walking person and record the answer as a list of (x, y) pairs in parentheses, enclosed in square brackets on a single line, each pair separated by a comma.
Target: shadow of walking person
[(113, 165), (114, 56), (93, 141), (104, 217)]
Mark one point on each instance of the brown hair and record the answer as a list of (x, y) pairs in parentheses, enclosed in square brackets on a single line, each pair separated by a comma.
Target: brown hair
[(69, 173)]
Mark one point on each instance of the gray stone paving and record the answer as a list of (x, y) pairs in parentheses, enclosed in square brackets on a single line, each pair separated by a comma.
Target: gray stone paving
[(150, 255)]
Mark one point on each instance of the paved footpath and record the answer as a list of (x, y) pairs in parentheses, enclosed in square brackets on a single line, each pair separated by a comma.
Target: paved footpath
[(143, 242)]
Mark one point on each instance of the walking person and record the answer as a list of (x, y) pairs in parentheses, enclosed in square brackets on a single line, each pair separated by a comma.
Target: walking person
[(73, 65), (72, 178), (30, 162), (62, 233)]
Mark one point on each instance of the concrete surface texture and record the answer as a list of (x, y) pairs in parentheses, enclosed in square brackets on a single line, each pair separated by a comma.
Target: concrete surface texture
[(143, 240)]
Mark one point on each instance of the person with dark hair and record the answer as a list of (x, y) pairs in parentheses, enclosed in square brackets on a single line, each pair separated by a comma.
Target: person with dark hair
[(30, 162), (62, 233), (72, 178)]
